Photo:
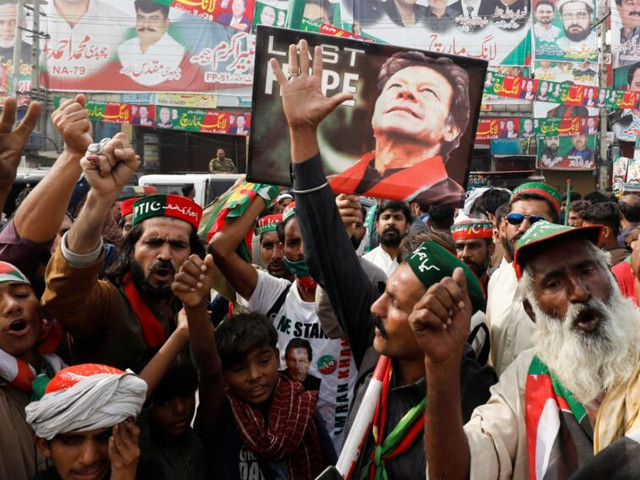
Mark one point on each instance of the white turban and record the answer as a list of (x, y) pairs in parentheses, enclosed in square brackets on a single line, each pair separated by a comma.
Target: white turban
[(86, 397)]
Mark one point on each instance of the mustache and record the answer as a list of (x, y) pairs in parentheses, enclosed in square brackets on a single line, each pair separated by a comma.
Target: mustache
[(162, 264), (145, 29), (635, 13), (576, 26), (391, 228), (377, 321)]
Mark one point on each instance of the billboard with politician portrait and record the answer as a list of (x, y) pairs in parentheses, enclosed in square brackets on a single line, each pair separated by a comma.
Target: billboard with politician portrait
[(492, 30), (407, 134), (562, 30), (138, 45)]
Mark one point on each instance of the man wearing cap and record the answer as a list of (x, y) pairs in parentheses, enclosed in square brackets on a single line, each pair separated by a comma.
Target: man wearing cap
[(84, 424), (511, 328), (563, 408), (580, 39), (291, 305), (27, 341), (474, 245), (271, 247), (281, 202), (118, 320), (335, 264)]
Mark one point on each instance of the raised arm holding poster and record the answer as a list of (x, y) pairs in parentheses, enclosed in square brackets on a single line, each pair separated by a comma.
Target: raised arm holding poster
[(411, 122)]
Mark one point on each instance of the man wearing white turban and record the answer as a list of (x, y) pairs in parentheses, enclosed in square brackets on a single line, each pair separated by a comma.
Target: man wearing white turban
[(84, 424)]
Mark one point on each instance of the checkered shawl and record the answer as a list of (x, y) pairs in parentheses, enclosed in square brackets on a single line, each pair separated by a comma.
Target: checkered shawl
[(291, 434)]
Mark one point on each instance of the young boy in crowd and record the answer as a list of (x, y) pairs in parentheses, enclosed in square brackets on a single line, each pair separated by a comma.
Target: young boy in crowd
[(167, 435), (266, 425)]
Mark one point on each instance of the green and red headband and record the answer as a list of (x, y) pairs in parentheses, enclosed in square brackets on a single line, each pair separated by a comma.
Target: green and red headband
[(289, 211), (10, 273), (539, 188), (268, 223), (472, 228), (173, 206), (431, 263)]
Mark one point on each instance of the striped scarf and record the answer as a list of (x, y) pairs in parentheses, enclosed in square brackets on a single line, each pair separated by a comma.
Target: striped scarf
[(24, 377), (399, 439), (291, 432)]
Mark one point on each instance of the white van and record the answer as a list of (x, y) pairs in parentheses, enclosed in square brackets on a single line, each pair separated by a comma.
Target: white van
[(207, 186)]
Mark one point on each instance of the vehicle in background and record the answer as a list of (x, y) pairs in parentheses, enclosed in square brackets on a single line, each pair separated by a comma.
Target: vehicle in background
[(207, 186)]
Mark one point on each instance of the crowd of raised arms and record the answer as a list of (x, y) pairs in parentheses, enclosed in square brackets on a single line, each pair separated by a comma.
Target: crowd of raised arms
[(277, 334)]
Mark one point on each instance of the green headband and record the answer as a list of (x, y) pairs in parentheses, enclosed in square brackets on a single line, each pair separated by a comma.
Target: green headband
[(431, 263)]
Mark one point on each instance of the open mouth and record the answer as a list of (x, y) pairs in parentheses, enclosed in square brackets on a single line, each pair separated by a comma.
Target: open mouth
[(19, 327), (588, 320)]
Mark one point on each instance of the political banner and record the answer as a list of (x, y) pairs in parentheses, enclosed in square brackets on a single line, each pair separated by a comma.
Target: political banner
[(576, 152), (190, 100), (493, 30), (203, 121), (236, 14), (10, 34), (562, 30), (373, 129), (625, 33), (620, 169), (583, 73), (633, 170), (270, 14), (113, 47), (166, 117), (566, 127)]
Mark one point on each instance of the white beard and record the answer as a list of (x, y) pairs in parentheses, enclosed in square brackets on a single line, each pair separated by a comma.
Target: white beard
[(589, 363)]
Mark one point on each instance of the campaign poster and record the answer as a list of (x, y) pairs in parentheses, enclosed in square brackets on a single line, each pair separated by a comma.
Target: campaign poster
[(625, 33), (576, 152), (620, 169), (494, 30), (633, 170), (515, 70), (191, 100), (374, 128), (117, 46), (10, 34), (566, 127), (143, 115), (270, 14), (562, 30)]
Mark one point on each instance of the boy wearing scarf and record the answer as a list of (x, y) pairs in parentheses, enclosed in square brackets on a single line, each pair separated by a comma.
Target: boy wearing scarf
[(27, 342), (266, 426)]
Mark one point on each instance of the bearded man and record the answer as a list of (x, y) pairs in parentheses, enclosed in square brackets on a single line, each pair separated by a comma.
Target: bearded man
[(394, 220), (563, 408), (118, 320)]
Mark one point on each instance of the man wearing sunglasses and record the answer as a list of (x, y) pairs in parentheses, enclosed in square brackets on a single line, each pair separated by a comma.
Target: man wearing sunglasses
[(511, 328)]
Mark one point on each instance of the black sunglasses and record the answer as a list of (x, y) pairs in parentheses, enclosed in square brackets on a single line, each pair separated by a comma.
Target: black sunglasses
[(518, 218)]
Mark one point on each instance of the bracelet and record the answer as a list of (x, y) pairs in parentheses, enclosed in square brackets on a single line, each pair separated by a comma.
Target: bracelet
[(311, 190)]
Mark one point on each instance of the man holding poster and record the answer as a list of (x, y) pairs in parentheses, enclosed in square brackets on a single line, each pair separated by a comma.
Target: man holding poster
[(419, 117)]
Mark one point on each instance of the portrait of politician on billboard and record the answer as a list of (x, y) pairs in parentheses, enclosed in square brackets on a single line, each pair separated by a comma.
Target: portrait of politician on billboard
[(407, 134)]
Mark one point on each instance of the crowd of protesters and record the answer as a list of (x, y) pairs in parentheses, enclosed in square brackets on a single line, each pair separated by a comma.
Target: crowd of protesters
[(396, 341)]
